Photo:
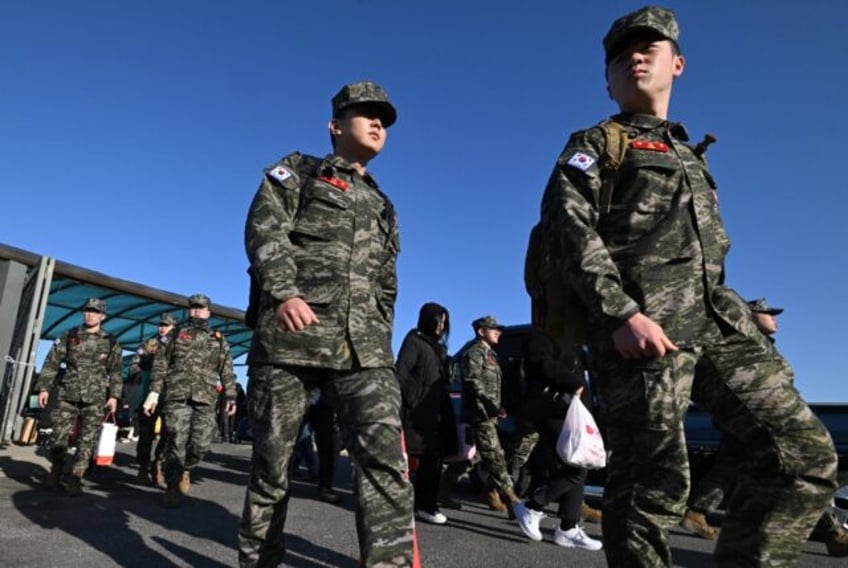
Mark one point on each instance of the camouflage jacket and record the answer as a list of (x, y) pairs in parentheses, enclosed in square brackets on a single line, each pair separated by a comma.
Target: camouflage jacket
[(92, 367), (481, 383), (320, 231), (141, 364), (193, 361), (660, 246)]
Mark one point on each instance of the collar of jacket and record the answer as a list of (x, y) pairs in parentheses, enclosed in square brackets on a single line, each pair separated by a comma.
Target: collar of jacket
[(645, 122), (199, 323), (335, 163)]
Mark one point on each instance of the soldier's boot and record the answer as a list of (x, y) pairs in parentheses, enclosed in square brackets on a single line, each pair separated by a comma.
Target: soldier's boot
[(696, 523), (56, 467), (837, 542), (494, 500), (589, 514), (74, 484), (446, 485), (173, 497), (156, 472), (185, 483)]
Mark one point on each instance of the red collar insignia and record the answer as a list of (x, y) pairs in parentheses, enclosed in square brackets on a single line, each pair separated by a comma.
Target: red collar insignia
[(184, 336), (335, 182), (649, 145)]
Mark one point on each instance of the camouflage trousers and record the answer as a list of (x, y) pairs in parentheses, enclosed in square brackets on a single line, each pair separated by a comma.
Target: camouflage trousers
[(146, 434), (64, 418), (367, 404), (521, 445), (710, 491), (784, 486), (191, 426), (492, 458)]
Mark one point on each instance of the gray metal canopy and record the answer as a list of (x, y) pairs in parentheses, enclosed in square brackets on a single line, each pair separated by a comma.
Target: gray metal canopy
[(133, 309)]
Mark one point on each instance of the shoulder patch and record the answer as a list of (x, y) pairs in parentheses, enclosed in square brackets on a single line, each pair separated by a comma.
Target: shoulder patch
[(581, 161), (280, 173)]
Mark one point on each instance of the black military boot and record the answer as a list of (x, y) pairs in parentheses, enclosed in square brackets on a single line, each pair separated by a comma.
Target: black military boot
[(56, 466)]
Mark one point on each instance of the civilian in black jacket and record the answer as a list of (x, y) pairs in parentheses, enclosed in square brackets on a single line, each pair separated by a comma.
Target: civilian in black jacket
[(429, 421), (551, 383)]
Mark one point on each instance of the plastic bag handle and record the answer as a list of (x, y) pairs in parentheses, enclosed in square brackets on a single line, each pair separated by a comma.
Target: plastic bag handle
[(108, 415)]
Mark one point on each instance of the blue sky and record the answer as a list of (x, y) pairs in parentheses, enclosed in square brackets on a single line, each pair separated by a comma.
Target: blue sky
[(133, 137)]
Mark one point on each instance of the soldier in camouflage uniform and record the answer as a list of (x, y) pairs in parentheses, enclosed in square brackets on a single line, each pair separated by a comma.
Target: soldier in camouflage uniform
[(645, 253), (90, 360), (481, 407), (195, 358), (141, 367), (322, 241)]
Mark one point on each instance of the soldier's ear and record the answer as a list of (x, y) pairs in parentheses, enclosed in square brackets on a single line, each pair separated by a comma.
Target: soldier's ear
[(334, 126)]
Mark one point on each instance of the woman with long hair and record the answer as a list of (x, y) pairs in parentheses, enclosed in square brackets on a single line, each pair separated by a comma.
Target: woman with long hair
[(429, 421)]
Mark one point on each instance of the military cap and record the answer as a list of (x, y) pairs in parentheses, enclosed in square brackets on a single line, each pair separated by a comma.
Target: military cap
[(365, 92), (760, 306), (486, 322), (95, 304), (167, 319), (647, 19), (201, 300)]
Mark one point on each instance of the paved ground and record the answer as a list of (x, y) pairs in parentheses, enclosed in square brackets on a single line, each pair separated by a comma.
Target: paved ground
[(119, 523)]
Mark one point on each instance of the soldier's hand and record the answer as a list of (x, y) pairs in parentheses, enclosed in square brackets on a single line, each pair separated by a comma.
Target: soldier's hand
[(295, 314), (231, 407), (112, 405), (640, 337), (501, 413), (43, 399)]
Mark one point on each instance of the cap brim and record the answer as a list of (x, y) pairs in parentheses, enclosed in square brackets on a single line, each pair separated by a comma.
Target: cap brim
[(633, 34), (388, 114)]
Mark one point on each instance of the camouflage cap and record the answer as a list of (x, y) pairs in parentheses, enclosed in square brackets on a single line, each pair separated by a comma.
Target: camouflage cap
[(95, 304), (760, 306), (365, 92), (486, 322), (167, 319), (647, 19), (201, 300)]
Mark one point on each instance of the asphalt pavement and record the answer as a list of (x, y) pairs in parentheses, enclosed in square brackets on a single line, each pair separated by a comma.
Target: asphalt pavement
[(118, 522)]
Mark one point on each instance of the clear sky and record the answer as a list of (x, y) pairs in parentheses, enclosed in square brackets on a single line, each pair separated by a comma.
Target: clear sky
[(133, 137)]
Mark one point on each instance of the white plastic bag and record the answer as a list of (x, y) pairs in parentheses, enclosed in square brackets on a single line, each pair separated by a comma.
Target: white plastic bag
[(105, 453), (580, 443)]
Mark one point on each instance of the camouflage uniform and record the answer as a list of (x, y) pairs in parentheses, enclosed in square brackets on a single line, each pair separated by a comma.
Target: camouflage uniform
[(141, 366), (319, 230), (658, 248), (186, 376), (481, 403), (92, 374)]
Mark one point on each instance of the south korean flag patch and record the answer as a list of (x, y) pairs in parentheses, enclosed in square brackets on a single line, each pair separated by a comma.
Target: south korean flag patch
[(280, 173), (581, 161)]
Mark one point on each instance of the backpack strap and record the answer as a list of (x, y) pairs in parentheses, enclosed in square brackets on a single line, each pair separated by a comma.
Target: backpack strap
[(616, 139)]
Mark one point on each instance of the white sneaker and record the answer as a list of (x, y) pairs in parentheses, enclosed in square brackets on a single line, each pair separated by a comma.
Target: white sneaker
[(528, 519), (576, 538), (433, 518)]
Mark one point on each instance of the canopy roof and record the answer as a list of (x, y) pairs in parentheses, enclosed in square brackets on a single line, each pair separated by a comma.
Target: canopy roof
[(133, 309)]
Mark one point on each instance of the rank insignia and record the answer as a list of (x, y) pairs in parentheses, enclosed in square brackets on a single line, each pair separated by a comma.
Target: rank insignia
[(581, 161), (649, 145), (184, 336), (335, 182)]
